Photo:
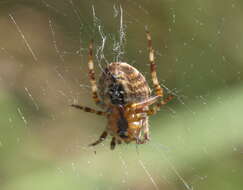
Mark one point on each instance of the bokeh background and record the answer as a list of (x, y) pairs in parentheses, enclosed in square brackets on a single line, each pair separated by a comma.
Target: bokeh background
[(197, 139)]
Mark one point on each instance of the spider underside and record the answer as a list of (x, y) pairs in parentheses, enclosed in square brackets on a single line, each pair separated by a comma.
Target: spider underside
[(126, 99)]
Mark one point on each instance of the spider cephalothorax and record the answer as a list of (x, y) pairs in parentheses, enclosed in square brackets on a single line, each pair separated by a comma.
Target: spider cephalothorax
[(126, 98)]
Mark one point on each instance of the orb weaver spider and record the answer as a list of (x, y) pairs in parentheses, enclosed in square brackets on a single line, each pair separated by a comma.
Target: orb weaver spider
[(126, 99)]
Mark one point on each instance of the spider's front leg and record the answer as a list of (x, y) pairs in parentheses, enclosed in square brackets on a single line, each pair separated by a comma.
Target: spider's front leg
[(158, 90), (92, 76)]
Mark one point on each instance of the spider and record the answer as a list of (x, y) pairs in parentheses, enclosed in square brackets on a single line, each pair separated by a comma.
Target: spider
[(124, 95)]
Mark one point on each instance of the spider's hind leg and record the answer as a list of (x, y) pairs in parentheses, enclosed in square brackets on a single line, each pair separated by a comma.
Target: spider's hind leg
[(101, 139), (113, 143), (119, 141)]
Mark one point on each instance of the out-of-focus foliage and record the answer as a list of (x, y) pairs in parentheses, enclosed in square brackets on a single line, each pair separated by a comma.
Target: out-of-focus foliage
[(196, 140)]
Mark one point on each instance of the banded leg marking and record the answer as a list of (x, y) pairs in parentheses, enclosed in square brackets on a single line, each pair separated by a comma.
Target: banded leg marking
[(92, 75), (88, 109), (158, 89), (101, 139)]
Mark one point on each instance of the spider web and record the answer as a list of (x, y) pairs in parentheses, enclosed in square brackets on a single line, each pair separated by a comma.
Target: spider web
[(43, 70)]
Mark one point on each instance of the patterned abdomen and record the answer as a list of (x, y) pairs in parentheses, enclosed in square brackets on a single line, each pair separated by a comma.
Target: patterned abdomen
[(121, 83)]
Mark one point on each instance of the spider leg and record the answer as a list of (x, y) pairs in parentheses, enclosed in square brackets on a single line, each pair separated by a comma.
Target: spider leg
[(142, 104), (139, 106), (158, 89), (102, 138), (90, 110), (146, 131), (92, 75), (113, 143), (155, 108), (119, 141)]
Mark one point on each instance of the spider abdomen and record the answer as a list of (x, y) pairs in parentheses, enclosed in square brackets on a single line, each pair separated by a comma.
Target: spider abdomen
[(120, 83)]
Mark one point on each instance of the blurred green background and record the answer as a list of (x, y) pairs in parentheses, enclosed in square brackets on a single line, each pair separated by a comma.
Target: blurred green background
[(197, 139)]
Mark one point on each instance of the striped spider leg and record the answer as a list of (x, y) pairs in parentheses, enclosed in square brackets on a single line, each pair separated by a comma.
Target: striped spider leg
[(158, 90), (94, 95)]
